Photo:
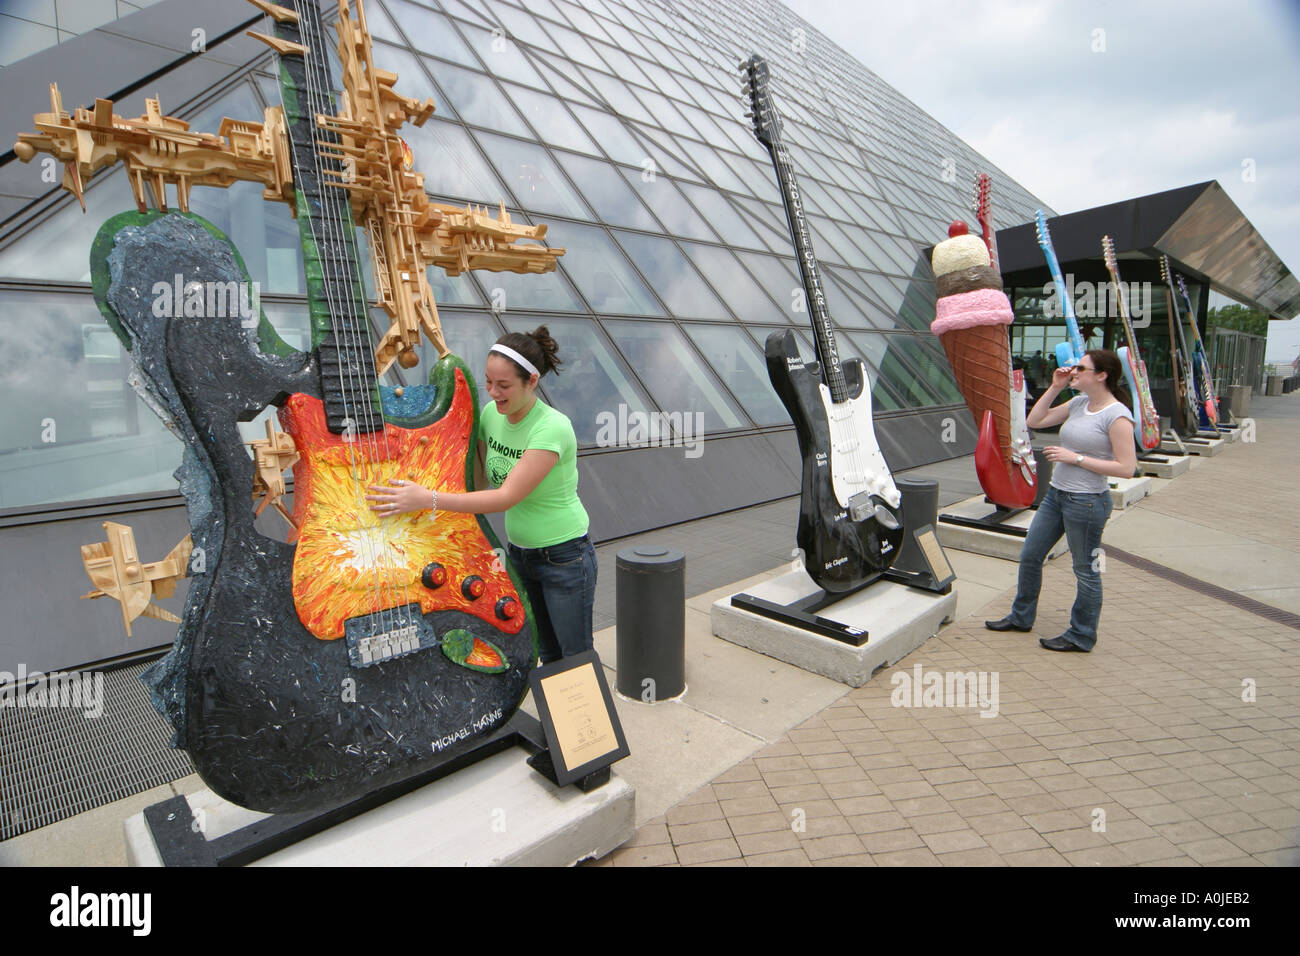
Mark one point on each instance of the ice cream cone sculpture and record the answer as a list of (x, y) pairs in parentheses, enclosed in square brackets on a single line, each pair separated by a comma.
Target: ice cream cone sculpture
[(971, 319)]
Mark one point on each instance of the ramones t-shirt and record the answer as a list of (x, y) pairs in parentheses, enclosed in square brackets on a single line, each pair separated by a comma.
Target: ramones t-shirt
[(552, 513)]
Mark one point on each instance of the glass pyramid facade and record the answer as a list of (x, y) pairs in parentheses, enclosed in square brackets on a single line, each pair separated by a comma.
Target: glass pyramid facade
[(620, 124)]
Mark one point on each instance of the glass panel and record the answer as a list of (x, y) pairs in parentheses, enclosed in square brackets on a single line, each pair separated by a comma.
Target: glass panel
[(74, 428), (431, 32), (927, 354), (558, 74), (724, 219), (465, 11), (546, 290), (380, 25), (452, 165), (502, 57), (716, 169), (741, 364), (612, 135), (521, 26), (781, 279), (59, 247), (663, 360), (664, 81), (551, 119), (478, 101), (884, 353), (608, 193), (774, 231), (667, 203), (844, 308), (666, 159), (583, 21), (619, 98), (672, 276), (665, 112), (592, 380), (621, 65), (574, 46), (265, 233), (738, 290), (448, 290), (469, 336), (533, 176), (602, 274)]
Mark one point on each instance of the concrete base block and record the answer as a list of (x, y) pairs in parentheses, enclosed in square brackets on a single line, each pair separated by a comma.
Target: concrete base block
[(1169, 468), (497, 812), (1205, 445), (995, 544), (897, 619), (1228, 435), (1125, 492)]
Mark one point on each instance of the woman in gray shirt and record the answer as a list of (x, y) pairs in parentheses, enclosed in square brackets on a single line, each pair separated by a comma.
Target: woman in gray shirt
[(1096, 443)]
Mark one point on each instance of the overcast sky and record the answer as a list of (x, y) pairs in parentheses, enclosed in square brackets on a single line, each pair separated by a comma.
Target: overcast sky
[(1091, 103)]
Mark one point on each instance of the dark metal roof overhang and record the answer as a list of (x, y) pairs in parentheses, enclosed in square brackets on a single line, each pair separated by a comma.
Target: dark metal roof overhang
[(1199, 227)]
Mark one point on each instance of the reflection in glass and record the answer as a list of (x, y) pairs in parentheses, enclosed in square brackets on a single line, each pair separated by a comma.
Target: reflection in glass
[(612, 135), (667, 203), (546, 290), (431, 32), (741, 365), (663, 360), (672, 276), (265, 233), (502, 57), (608, 193), (884, 352), (602, 274), (478, 101), (724, 219), (533, 176), (741, 293), (469, 335), (412, 80), (551, 120), (781, 279), (592, 383)]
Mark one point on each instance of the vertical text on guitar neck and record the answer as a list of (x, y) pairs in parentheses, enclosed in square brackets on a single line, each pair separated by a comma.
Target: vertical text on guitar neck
[(208, 300)]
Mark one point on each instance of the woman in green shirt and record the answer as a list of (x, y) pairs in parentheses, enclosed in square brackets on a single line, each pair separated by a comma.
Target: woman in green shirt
[(531, 454)]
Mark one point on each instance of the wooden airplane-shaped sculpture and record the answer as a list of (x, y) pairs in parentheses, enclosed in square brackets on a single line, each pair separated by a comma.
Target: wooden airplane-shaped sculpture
[(272, 457), (407, 232), (115, 569)]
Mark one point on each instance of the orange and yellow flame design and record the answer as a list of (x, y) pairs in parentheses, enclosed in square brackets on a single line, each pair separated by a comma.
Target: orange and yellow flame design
[(351, 562)]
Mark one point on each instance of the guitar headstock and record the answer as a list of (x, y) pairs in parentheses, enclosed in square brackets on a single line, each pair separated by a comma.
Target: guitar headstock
[(1040, 227), (983, 194), (1164, 268), (762, 112), (1108, 253), (1182, 287)]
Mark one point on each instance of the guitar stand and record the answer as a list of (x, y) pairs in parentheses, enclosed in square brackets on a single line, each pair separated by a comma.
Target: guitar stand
[(991, 521), (803, 613), (181, 842)]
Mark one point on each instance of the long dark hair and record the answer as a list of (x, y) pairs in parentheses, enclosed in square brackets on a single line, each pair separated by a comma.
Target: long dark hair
[(1104, 360), (537, 346)]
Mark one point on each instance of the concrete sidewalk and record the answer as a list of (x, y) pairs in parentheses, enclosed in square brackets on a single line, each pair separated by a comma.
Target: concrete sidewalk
[(1176, 742)]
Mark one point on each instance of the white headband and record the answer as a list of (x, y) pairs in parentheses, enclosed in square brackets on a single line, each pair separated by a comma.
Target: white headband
[(508, 352)]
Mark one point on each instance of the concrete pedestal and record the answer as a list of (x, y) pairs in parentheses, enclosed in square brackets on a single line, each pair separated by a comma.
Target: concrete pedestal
[(1205, 445), (1128, 491), (897, 619), (1228, 435), (1171, 467), (497, 812), (995, 544)]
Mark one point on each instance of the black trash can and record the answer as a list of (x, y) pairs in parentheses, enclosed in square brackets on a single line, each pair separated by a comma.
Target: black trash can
[(920, 507), (650, 599), (1044, 476)]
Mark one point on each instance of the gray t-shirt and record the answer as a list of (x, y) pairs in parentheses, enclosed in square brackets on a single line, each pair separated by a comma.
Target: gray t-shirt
[(1086, 433)]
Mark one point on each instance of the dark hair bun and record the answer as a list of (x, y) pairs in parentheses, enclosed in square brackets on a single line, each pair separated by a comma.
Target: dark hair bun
[(537, 346)]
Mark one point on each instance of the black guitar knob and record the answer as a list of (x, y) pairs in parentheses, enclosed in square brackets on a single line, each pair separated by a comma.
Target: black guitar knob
[(473, 587), (434, 575), (507, 608)]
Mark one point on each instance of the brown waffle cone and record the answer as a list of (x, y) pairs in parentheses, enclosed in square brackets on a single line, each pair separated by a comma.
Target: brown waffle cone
[(981, 361)]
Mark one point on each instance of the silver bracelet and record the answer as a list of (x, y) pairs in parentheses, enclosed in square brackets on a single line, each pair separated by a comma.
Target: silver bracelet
[(434, 506)]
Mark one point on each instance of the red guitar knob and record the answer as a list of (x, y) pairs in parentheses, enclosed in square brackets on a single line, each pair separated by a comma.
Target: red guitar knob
[(473, 587), (434, 575), (507, 608)]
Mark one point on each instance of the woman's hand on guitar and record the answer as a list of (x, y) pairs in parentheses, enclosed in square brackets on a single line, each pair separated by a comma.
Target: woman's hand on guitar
[(398, 497)]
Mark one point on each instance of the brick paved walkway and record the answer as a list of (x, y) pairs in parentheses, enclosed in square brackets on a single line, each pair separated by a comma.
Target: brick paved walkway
[(1142, 752)]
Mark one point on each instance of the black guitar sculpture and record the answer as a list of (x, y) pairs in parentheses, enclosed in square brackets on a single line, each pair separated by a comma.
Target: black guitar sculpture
[(365, 650), (850, 525)]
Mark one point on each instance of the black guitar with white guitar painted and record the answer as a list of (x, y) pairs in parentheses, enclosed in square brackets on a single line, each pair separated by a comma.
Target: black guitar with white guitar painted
[(850, 522)]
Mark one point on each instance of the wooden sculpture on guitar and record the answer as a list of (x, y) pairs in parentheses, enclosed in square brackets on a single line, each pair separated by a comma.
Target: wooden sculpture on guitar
[(364, 650), (850, 522)]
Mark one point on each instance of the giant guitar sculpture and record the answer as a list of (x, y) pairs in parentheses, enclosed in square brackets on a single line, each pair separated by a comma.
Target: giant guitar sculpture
[(1181, 357), (1147, 433), (364, 650), (850, 523), (1205, 393)]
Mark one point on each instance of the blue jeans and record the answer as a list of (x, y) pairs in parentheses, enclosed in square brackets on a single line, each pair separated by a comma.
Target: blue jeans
[(1081, 518), (561, 584)]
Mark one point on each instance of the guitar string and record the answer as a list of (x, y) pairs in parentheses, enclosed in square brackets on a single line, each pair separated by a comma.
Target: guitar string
[(384, 600), (360, 402)]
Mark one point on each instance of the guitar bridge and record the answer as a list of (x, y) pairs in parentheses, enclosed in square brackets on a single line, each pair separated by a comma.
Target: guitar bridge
[(861, 508), (388, 634)]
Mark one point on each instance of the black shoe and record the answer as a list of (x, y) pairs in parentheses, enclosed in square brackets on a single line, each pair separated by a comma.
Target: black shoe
[(1060, 644), (1006, 624)]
